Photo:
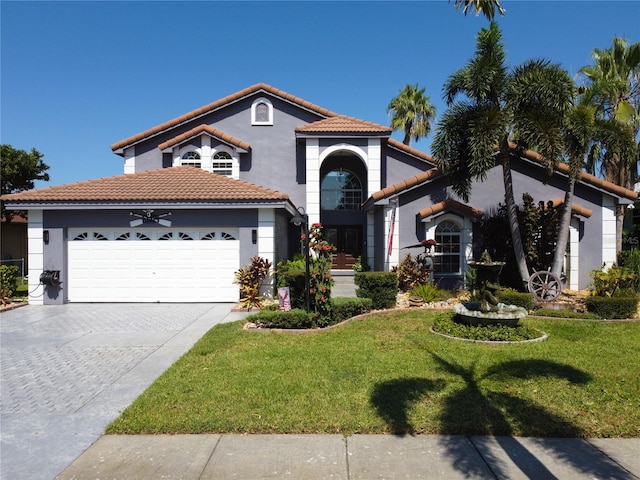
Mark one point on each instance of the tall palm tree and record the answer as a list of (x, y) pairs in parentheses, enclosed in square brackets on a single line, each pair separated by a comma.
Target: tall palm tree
[(499, 107), (613, 85), (486, 7), (411, 112)]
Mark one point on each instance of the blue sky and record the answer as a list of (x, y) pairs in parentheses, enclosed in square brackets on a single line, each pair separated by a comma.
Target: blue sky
[(79, 76)]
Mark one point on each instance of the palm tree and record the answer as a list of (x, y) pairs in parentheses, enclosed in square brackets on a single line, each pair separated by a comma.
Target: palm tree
[(486, 7), (477, 131), (412, 113), (614, 87)]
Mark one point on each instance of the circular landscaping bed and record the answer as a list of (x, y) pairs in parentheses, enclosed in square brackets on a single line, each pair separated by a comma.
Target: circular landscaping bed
[(445, 326)]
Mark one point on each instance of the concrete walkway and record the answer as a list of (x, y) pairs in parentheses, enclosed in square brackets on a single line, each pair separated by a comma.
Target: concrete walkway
[(67, 371)]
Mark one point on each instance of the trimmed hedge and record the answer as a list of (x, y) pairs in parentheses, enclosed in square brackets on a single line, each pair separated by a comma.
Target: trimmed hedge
[(347, 307), (295, 318), (613, 307), (343, 308), (509, 296), (380, 287)]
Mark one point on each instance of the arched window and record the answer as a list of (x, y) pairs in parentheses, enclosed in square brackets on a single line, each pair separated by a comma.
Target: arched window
[(191, 159), (222, 163), (447, 252), (262, 112), (341, 190)]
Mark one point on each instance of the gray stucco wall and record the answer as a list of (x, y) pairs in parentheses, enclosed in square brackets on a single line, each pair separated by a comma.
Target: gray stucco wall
[(488, 194), (276, 159)]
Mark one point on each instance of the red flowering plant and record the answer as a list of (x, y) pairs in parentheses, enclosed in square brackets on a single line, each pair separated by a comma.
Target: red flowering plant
[(320, 281)]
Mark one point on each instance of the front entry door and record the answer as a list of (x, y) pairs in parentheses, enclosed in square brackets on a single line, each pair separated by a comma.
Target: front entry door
[(348, 242)]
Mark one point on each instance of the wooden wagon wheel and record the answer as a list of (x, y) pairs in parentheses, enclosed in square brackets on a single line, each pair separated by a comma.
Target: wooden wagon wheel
[(545, 286)]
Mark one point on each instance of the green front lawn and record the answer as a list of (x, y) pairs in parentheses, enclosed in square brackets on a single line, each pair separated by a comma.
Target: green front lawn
[(387, 374)]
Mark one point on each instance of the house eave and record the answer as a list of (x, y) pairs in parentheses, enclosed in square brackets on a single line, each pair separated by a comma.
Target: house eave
[(127, 204)]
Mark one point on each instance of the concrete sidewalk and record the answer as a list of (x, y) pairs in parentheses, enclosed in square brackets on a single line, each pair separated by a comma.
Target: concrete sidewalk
[(249, 457)]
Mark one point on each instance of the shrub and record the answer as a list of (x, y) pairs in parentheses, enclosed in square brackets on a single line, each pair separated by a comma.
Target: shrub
[(290, 273), (8, 280), (510, 296), (346, 307), (565, 313), (413, 271), (380, 287), (295, 318), (250, 279), (630, 260), (613, 307), (606, 283), (430, 293)]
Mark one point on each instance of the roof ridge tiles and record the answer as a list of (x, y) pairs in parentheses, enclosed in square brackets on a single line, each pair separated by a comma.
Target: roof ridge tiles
[(182, 183), (215, 104)]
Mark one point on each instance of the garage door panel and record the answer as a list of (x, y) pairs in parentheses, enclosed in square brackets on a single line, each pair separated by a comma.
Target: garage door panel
[(134, 270)]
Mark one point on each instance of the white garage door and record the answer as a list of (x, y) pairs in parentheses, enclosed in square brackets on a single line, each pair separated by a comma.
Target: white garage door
[(144, 265)]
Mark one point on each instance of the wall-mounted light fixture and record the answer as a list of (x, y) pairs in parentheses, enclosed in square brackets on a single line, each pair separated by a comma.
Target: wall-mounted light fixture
[(254, 236), (148, 216), (45, 237)]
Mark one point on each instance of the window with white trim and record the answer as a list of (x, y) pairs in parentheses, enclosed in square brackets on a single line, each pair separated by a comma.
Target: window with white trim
[(262, 112), (222, 163), (191, 159), (447, 251)]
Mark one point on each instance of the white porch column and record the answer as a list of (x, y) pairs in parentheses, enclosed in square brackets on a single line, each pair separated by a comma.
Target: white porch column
[(266, 245), (312, 176), (392, 236), (374, 165), (608, 231), (35, 247), (573, 259)]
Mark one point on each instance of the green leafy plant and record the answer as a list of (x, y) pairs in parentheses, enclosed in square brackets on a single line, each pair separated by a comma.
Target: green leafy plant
[(607, 283), (293, 319), (430, 293), (8, 280), (250, 280), (413, 271), (630, 259)]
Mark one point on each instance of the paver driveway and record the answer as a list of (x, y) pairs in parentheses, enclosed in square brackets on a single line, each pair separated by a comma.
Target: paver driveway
[(66, 371)]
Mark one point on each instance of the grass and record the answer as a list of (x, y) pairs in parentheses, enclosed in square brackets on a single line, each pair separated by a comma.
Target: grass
[(387, 374)]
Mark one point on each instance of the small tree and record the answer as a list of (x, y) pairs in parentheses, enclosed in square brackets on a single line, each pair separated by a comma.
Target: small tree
[(19, 171)]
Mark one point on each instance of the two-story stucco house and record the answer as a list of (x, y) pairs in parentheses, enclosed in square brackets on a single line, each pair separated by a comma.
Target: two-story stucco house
[(204, 192)]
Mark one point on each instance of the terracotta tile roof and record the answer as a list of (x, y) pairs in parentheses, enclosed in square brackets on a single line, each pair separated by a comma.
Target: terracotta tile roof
[(405, 184), (166, 184), (217, 104), (214, 132), (577, 209), (585, 177), (413, 151), (450, 204), (343, 124)]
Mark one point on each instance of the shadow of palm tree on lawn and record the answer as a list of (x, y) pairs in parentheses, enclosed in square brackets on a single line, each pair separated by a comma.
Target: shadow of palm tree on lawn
[(393, 399), (472, 410)]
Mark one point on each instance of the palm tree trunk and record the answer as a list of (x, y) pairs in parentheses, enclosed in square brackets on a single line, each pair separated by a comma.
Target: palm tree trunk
[(514, 226), (563, 231)]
